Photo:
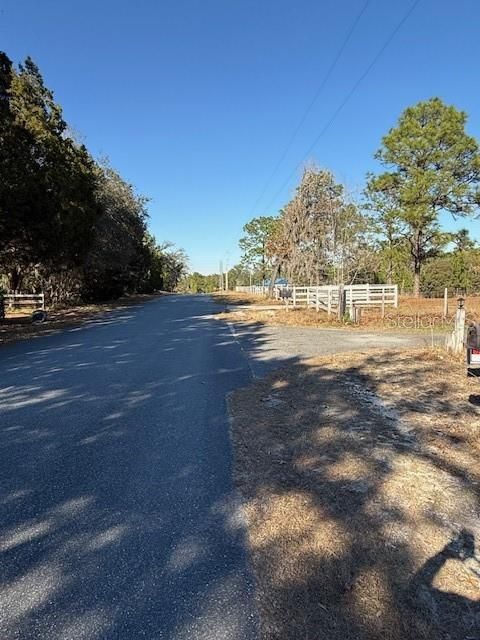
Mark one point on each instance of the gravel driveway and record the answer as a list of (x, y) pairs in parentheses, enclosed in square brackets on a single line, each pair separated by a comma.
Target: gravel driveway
[(268, 346)]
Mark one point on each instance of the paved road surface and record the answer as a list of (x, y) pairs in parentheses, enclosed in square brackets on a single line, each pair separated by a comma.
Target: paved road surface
[(117, 516), (117, 519)]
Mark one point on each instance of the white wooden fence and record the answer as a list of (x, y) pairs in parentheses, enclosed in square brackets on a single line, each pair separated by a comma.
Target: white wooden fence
[(326, 297), (254, 288), (13, 300)]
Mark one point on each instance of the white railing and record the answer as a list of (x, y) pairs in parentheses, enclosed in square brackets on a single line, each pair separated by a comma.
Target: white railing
[(254, 288), (326, 297), (13, 300), (258, 288)]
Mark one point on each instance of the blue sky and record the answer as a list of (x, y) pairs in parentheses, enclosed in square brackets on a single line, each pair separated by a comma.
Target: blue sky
[(194, 101)]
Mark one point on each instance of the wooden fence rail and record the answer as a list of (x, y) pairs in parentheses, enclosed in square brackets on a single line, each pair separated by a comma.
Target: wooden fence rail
[(326, 298), (13, 300)]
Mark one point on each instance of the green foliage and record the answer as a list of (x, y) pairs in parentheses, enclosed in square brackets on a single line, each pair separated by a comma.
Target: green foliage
[(433, 166), (198, 283), (68, 225), (254, 243), (242, 275)]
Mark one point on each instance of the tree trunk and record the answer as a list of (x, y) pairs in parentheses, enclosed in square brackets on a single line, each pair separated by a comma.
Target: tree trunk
[(15, 280), (275, 272), (416, 279)]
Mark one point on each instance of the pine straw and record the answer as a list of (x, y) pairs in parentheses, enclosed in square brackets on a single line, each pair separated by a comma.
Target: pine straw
[(361, 480)]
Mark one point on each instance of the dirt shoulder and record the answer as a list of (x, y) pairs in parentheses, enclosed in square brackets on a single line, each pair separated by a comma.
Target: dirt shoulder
[(19, 326), (361, 482)]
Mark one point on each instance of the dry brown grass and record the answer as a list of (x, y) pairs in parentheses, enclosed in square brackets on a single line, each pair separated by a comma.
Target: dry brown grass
[(361, 480), (17, 324), (412, 313), (233, 298)]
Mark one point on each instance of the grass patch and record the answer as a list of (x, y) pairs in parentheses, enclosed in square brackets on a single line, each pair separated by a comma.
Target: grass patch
[(361, 482)]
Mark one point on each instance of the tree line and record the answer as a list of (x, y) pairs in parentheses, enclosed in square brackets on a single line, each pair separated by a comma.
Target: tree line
[(70, 225), (393, 234)]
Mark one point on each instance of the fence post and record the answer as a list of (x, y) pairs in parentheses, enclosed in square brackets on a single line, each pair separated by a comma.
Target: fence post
[(445, 303), (383, 303), (317, 299), (294, 297), (329, 301), (396, 296), (308, 297), (454, 342), (341, 302), (368, 292)]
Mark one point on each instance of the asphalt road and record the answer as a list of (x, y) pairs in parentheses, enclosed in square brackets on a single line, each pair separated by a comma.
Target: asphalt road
[(117, 514)]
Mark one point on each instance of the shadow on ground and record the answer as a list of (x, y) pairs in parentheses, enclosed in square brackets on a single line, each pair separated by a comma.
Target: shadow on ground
[(117, 516), (363, 513)]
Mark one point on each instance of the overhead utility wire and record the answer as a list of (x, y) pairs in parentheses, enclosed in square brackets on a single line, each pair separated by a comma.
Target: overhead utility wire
[(345, 100), (310, 105)]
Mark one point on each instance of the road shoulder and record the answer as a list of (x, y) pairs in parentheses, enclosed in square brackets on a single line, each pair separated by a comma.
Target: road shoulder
[(20, 327), (360, 479)]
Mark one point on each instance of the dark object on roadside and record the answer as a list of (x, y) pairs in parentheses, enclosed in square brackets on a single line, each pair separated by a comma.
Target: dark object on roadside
[(2, 308), (285, 293), (39, 315)]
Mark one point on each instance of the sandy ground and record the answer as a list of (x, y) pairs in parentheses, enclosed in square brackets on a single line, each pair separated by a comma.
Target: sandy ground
[(268, 346), (361, 482)]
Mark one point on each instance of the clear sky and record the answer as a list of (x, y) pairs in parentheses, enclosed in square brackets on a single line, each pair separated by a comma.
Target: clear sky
[(194, 101)]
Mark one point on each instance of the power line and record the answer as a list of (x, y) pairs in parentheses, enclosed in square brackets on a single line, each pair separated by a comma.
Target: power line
[(310, 105), (345, 100)]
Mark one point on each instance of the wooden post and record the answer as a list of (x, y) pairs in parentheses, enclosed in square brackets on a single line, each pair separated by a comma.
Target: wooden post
[(341, 302), (445, 303), (455, 341), (317, 300), (351, 310), (294, 297), (308, 297), (383, 304), (329, 301)]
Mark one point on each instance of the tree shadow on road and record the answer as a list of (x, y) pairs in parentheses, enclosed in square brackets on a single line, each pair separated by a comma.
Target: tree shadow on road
[(117, 514)]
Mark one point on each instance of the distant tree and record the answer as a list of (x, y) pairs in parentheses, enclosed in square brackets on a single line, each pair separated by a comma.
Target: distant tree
[(433, 166), (239, 274), (320, 235), (463, 241), (254, 242), (198, 283)]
